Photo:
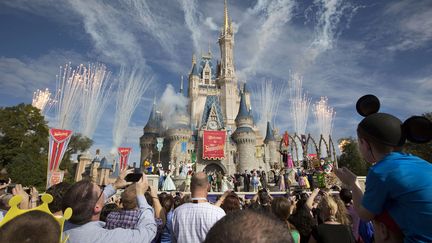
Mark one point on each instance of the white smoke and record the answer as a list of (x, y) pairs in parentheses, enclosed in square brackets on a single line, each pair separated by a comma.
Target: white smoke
[(191, 16), (329, 14), (170, 105), (210, 23), (273, 16)]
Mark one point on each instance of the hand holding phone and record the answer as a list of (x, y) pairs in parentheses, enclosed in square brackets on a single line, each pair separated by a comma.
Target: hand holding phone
[(133, 177)]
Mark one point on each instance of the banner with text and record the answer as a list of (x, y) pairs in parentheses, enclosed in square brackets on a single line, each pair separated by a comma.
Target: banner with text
[(214, 145), (54, 177), (58, 142), (124, 156)]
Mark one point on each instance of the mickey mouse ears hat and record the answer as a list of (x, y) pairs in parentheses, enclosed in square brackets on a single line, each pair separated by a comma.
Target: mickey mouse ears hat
[(388, 129)]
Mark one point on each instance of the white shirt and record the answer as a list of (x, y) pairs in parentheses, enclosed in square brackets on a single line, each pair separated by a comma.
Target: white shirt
[(192, 221)]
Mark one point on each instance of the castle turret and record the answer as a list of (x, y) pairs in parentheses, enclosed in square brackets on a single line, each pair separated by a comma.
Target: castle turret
[(84, 161), (245, 138), (148, 139), (272, 155), (193, 91), (226, 77), (178, 132), (104, 171)]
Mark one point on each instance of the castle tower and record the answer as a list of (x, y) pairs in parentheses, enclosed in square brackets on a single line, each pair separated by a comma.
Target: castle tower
[(193, 88), (179, 132), (148, 140), (103, 171), (83, 161), (272, 155), (245, 138), (226, 77)]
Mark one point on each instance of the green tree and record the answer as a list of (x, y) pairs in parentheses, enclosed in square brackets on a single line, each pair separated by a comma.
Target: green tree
[(351, 157), (422, 150), (24, 144), (77, 143)]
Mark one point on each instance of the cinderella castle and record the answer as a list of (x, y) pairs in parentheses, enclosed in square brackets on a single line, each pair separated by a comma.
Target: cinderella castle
[(216, 131)]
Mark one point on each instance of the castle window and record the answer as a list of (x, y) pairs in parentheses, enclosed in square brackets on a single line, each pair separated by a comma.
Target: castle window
[(206, 81)]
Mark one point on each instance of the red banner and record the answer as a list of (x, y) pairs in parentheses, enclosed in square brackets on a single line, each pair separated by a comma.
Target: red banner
[(58, 142), (214, 145), (55, 177), (124, 156), (286, 139)]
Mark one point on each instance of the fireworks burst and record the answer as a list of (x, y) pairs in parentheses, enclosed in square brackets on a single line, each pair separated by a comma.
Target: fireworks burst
[(299, 104), (96, 92), (132, 86), (70, 85), (268, 98), (324, 116), (42, 100)]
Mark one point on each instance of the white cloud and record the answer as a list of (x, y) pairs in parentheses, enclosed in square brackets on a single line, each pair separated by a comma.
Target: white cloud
[(412, 24)]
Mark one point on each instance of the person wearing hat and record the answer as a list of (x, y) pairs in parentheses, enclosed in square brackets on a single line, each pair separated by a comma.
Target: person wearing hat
[(398, 183)]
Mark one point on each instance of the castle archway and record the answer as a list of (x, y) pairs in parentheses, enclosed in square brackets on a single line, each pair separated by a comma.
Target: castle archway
[(215, 167)]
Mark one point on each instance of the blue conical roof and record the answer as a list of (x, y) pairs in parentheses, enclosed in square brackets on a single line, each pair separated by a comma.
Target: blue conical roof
[(152, 122), (243, 110), (269, 134), (195, 70)]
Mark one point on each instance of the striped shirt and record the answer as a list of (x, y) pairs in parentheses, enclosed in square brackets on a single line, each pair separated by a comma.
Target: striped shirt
[(192, 221)]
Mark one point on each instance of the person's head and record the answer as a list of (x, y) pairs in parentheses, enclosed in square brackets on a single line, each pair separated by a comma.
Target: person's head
[(328, 208), (107, 209), (264, 198), (33, 226), (177, 201), (302, 218), (129, 198), (382, 133), (86, 200), (281, 209), (345, 195), (386, 229), (231, 203), (248, 226), (199, 184), (167, 201), (342, 215), (57, 192)]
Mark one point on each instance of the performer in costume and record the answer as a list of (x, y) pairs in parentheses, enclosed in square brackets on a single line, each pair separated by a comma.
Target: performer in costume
[(168, 184)]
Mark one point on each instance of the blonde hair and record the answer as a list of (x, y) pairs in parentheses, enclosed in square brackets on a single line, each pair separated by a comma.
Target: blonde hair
[(328, 207)]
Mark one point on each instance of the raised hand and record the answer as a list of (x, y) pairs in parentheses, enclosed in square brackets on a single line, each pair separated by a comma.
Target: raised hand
[(121, 182)]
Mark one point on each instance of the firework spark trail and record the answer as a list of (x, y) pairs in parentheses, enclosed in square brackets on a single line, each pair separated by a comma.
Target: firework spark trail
[(190, 14), (299, 104), (274, 15), (324, 116), (69, 86), (131, 88), (96, 91), (267, 99), (42, 100), (329, 14)]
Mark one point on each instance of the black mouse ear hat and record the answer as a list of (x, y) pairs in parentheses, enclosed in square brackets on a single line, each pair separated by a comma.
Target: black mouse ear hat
[(388, 129)]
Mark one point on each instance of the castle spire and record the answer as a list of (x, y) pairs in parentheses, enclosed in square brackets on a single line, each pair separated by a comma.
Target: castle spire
[(181, 85), (226, 21)]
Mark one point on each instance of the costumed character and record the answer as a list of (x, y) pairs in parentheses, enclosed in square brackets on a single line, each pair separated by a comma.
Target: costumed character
[(255, 181), (246, 181), (161, 178), (168, 184), (188, 181), (225, 187), (263, 179), (282, 186)]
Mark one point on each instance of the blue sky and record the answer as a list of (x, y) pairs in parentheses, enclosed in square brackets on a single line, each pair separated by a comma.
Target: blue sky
[(379, 47)]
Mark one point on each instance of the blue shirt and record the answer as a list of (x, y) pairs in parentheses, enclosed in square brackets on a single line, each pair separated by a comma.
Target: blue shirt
[(402, 185)]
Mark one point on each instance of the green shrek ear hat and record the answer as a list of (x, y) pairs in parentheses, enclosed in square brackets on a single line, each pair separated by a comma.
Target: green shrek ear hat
[(388, 129)]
